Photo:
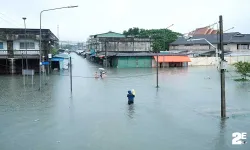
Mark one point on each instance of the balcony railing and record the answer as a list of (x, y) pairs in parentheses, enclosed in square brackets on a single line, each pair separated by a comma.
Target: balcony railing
[(18, 53), (23, 52)]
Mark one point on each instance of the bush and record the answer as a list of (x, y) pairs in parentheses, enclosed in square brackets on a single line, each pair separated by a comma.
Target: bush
[(243, 68)]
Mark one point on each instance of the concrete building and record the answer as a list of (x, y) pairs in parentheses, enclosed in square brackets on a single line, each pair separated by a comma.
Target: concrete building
[(112, 41), (13, 53), (233, 42)]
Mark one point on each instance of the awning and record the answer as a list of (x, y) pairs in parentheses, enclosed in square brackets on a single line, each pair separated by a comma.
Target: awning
[(172, 59), (57, 59), (101, 56)]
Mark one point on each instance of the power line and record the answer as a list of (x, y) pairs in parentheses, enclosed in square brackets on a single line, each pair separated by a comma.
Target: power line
[(8, 21), (11, 20)]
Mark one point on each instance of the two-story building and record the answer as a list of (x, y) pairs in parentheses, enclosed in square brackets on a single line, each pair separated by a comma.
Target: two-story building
[(120, 51), (197, 44), (18, 50), (112, 41)]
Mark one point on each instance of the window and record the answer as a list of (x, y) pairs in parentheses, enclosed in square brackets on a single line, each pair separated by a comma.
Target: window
[(30, 45), (242, 46), (1, 45)]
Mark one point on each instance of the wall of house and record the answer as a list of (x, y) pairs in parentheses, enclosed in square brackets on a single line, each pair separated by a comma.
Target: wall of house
[(190, 47), (209, 61), (4, 45), (164, 64), (3, 51), (134, 62), (124, 46), (230, 47), (16, 44)]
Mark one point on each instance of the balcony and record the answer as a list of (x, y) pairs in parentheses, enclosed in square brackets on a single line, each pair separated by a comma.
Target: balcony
[(19, 53)]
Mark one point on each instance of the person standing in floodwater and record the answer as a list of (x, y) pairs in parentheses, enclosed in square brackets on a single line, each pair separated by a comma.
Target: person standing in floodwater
[(130, 98), (101, 74), (96, 75)]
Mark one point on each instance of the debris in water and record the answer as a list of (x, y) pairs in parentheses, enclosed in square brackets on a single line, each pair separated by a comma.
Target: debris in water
[(36, 120)]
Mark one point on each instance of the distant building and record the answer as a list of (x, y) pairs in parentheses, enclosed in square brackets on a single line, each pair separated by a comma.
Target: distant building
[(129, 52), (13, 50), (233, 42), (112, 41)]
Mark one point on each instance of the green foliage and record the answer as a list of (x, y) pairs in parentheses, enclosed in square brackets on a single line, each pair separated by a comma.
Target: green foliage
[(161, 37), (241, 80), (243, 68), (53, 51)]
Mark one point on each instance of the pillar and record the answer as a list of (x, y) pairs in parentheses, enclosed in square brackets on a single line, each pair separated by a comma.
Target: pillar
[(12, 67)]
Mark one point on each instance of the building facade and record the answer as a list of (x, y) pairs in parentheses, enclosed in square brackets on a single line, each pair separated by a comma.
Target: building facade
[(112, 41), (233, 42), (16, 47)]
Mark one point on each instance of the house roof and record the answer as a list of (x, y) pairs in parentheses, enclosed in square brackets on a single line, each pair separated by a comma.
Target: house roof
[(110, 34), (204, 31), (234, 37), (28, 31), (137, 54)]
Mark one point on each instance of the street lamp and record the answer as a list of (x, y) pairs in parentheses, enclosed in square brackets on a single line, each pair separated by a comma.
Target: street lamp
[(40, 41), (157, 57), (24, 18)]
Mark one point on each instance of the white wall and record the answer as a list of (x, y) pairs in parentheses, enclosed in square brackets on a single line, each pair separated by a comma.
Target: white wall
[(4, 45), (231, 47), (16, 44), (3, 51), (209, 61)]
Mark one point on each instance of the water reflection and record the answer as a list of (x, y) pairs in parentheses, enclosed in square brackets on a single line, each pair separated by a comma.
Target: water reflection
[(220, 140), (131, 111)]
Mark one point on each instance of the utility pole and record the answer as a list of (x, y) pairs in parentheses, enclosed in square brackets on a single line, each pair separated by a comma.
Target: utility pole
[(25, 42), (58, 32), (222, 71), (157, 70), (70, 65), (106, 58)]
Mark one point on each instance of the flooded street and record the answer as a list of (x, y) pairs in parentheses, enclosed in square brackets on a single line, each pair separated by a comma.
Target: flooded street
[(184, 113)]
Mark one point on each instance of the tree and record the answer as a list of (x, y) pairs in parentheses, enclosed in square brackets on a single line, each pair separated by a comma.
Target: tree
[(243, 68), (53, 51), (161, 37)]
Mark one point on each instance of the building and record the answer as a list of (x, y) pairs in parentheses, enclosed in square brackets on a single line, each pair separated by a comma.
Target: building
[(112, 41), (14, 52), (198, 46), (102, 45), (129, 52), (60, 61), (142, 59)]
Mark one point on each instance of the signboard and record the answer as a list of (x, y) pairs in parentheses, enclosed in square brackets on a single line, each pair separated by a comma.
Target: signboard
[(30, 72), (45, 63)]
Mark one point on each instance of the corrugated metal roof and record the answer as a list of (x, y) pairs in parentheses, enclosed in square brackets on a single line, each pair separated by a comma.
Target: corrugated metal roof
[(234, 37), (111, 34), (138, 54), (238, 54)]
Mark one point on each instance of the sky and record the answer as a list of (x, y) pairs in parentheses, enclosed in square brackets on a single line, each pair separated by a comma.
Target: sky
[(100, 16)]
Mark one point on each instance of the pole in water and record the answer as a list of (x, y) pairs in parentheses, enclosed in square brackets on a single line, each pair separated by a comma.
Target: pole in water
[(70, 64), (222, 71), (157, 67)]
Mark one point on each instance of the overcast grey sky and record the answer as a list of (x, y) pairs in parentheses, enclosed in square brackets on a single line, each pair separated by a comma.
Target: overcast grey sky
[(99, 16)]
